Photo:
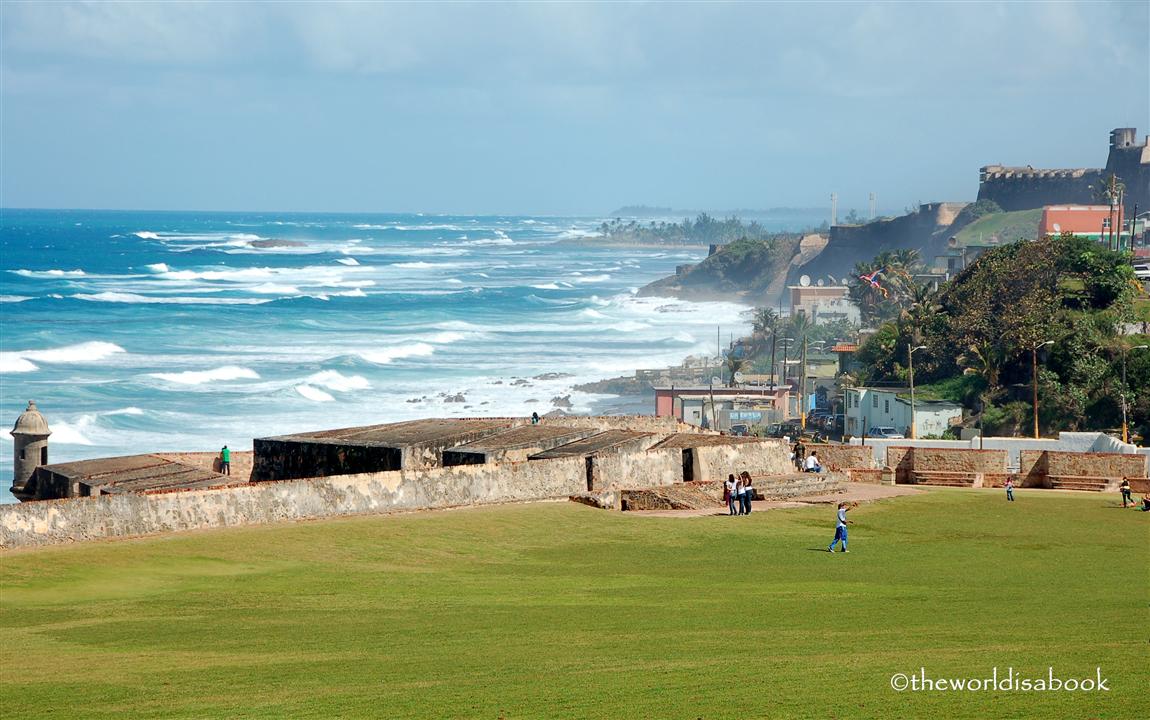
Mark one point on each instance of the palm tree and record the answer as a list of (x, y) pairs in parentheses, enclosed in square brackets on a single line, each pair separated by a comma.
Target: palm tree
[(800, 326), (734, 365), (984, 359)]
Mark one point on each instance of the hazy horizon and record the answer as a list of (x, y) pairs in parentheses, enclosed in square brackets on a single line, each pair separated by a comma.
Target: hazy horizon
[(556, 109)]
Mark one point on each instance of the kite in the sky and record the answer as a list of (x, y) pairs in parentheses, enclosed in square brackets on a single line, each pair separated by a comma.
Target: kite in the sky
[(873, 280)]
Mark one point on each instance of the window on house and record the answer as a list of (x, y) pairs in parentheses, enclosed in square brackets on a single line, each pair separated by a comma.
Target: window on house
[(886, 406), (874, 400)]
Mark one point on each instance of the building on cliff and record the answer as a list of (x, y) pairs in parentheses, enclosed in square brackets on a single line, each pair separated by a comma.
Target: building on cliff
[(1028, 188)]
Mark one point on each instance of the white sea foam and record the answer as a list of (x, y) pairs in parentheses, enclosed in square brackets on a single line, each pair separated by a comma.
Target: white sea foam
[(121, 297), (592, 314), (124, 411), (420, 265), (11, 362), (592, 279), (147, 235), (199, 377), (313, 393), (347, 261), (547, 286), (274, 289), (65, 433), (86, 352), (358, 292), (13, 298), (444, 338), (158, 267), (49, 273), (388, 355), (334, 380)]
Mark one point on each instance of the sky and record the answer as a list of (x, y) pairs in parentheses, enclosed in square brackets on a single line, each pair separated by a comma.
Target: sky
[(553, 108)]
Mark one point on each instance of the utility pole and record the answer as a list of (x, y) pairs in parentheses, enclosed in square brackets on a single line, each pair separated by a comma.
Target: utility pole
[(834, 208), (872, 206), (910, 367), (803, 386)]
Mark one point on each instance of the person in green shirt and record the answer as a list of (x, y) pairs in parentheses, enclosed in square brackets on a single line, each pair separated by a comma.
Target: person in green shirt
[(225, 461)]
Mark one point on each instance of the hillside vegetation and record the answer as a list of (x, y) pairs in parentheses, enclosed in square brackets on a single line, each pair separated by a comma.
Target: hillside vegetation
[(742, 270), (1068, 291)]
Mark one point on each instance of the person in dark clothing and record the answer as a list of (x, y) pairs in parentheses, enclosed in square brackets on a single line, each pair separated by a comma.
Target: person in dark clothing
[(1124, 488)]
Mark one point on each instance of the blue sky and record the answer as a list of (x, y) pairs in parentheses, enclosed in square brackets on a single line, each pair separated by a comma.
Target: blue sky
[(553, 108)]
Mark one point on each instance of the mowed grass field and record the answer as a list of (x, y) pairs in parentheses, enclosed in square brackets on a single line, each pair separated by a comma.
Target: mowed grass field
[(555, 610)]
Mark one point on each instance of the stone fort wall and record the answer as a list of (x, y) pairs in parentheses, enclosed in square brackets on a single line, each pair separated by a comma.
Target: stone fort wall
[(1026, 187)]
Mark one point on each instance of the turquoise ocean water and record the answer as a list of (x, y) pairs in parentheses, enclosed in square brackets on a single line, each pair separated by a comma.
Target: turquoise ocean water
[(148, 331)]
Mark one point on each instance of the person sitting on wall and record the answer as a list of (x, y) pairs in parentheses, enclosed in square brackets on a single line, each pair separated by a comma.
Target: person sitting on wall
[(812, 464), (1146, 503)]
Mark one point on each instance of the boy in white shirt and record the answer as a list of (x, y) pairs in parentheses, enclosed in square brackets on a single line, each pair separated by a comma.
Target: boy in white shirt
[(840, 528)]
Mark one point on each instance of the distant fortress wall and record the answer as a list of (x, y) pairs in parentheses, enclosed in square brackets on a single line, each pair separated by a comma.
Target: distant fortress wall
[(1026, 187), (850, 244)]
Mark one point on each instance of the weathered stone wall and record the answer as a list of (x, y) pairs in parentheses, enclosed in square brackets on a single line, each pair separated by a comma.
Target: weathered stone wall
[(56, 521), (637, 423), (1038, 465), (906, 460), (277, 459), (843, 457), (648, 468), (850, 244), (1023, 189), (769, 457), (241, 462)]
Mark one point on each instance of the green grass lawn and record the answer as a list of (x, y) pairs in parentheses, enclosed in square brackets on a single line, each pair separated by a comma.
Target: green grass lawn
[(557, 610)]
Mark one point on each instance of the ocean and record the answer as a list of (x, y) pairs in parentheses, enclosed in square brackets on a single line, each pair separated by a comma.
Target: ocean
[(162, 331)]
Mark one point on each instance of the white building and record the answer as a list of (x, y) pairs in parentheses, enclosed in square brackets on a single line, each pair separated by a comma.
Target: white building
[(890, 407)]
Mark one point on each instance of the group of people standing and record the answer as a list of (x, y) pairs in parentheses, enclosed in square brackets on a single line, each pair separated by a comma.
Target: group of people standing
[(738, 493)]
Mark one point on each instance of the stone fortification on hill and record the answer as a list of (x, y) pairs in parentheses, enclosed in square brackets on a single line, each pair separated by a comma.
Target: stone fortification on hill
[(1026, 187)]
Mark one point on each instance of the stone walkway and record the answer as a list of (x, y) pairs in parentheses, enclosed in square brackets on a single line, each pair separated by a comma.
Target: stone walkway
[(855, 492)]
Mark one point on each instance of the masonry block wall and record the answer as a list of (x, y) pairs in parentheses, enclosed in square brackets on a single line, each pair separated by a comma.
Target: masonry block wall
[(770, 457), (842, 457), (630, 470), (906, 460), (241, 461), (1037, 466), (56, 521)]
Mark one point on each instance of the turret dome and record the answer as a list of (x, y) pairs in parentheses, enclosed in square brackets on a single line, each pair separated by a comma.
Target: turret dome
[(31, 422)]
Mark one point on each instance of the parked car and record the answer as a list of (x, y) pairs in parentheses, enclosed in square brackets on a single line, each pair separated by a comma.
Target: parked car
[(742, 429), (885, 433)]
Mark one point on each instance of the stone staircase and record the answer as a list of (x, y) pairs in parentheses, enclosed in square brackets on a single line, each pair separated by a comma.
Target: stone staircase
[(943, 478), (1078, 482)]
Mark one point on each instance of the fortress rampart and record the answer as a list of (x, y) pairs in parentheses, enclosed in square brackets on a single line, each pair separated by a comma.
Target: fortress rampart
[(1026, 187)]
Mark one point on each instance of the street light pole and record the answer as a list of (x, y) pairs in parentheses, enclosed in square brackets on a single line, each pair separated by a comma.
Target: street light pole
[(1125, 427), (910, 365), (1034, 379)]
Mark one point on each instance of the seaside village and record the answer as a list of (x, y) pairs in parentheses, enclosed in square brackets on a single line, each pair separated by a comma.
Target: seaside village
[(804, 431)]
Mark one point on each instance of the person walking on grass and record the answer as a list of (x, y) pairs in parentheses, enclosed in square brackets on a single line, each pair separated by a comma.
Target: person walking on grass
[(1126, 496), (841, 528), (1010, 489), (749, 495), (225, 461), (729, 493)]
